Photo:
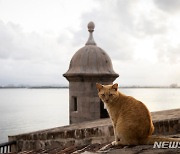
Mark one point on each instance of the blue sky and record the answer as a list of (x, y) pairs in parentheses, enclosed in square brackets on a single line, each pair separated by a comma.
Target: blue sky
[(39, 37)]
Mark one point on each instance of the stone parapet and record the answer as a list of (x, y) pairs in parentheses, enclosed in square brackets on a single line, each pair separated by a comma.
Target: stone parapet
[(98, 131)]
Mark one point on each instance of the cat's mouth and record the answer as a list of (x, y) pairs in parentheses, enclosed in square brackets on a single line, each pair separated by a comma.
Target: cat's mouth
[(107, 101)]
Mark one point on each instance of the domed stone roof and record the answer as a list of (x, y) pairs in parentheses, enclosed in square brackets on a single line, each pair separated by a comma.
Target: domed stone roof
[(90, 60)]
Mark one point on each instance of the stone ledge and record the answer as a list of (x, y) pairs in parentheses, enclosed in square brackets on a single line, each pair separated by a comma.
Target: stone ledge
[(97, 148), (99, 131)]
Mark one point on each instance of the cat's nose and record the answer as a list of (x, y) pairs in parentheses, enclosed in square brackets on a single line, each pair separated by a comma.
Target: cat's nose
[(107, 99)]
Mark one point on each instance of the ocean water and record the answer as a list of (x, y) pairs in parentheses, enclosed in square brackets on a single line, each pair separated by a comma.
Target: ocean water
[(27, 110)]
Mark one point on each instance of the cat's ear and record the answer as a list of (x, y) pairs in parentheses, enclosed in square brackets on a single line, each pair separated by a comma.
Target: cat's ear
[(115, 86), (99, 86)]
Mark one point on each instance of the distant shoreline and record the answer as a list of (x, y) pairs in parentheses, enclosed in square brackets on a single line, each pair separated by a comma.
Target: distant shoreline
[(66, 87), (41, 87)]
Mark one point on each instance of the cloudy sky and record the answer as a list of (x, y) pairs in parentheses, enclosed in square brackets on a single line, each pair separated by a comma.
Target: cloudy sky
[(39, 37)]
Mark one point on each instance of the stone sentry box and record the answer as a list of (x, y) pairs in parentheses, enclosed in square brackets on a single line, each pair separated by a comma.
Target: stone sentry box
[(89, 65)]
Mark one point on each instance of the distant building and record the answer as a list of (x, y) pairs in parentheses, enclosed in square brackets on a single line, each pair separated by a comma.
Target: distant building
[(89, 65)]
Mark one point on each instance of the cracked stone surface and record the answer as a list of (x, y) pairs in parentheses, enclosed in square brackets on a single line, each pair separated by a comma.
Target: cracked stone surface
[(106, 148)]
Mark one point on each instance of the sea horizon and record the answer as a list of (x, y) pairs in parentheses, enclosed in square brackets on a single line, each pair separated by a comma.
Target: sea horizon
[(67, 87)]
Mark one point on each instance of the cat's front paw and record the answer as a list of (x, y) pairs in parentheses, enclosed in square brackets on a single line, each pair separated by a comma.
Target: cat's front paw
[(114, 143)]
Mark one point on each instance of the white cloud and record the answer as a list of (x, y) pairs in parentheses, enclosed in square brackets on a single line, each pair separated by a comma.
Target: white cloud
[(30, 57), (37, 40), (45, 15), (170, 6)]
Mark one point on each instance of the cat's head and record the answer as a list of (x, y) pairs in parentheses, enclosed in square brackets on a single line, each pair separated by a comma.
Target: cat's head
[(107, 93)]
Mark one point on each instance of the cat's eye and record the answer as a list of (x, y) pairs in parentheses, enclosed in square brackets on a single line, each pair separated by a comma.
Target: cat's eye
[(102, 95), (110, 94)]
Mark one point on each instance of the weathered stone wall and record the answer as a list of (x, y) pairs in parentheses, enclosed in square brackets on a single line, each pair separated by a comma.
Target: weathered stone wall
[(83, 88), (88, 106), (99, 131)]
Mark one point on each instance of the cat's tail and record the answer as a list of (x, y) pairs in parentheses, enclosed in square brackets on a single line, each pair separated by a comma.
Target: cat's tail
[(152, 139)]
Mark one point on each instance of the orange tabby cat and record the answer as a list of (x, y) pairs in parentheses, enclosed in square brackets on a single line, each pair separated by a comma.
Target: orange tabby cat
[(131, 119)]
